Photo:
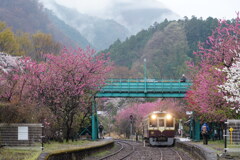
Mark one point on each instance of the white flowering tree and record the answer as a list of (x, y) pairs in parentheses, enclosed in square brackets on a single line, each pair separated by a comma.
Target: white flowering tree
[(231, 87)]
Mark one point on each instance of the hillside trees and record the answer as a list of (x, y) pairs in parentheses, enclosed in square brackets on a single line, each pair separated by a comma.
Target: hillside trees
[(197, 30), (220, 52), (126, 52), (42, 44), (25, 43), (37, 44), (167, 52), (8, 42), (22, 43), (64, 83), (165, 46)]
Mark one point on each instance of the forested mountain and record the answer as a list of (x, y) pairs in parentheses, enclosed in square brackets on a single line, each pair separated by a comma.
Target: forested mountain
[(99, 32), (166, 46), (30, 16)]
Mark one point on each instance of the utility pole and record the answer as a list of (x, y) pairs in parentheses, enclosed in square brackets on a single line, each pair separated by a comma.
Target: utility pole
[(145, 76)]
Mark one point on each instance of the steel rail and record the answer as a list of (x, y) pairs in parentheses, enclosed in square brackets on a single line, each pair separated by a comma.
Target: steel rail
[(118, 151), (114, 153), (161, 155), (180, 157), (133, 150)]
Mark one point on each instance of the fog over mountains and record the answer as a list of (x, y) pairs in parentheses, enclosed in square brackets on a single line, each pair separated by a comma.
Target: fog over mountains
[(106, 21)]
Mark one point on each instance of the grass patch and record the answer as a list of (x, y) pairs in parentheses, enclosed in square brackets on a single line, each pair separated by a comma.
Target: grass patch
[(19, 154), (217, 145), (56, 146), (31, 153), (4, 104)]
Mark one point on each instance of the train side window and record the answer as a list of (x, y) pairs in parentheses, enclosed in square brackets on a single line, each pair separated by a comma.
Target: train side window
[(153, 123), (161, 122), (169, 122)]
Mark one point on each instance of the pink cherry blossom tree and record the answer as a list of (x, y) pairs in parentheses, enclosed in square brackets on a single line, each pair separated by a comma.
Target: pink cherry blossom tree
[(231, 87), (64, 83), (217, 52), (11, 81)]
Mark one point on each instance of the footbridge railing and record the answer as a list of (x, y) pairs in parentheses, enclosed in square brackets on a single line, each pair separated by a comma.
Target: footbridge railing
[(144, 88)]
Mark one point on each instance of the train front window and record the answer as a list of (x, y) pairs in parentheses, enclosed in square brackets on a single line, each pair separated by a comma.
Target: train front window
[(169, 122), (161, 122), (153, 123)]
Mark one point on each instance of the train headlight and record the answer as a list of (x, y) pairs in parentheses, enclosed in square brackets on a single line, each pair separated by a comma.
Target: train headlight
[(153, 116), (169, 116)]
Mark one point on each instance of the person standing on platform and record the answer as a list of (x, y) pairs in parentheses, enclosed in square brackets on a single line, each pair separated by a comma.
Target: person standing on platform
[(101, 131), (205, 131)]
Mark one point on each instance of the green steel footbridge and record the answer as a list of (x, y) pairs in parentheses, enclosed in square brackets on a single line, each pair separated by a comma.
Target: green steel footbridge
[(146, 88), (141, 88)]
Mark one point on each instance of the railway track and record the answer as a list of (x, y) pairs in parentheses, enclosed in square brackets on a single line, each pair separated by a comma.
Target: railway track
[(170, 154), (132, 150), (161, 153), (177, 153), (126, 149)]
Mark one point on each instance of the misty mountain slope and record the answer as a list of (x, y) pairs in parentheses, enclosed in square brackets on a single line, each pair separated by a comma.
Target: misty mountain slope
[(24, 15), (30, 16), (141, 18), (69, 31), (118, 20), (99, 32)]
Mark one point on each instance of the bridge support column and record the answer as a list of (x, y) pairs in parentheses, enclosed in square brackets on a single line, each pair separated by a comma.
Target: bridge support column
[(94, 121), (195, 128)]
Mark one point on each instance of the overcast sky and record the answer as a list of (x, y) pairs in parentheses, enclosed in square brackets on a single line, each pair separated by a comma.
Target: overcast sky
[(223, 9)]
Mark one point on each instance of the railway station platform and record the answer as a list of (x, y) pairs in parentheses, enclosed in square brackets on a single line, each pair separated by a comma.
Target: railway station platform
[(204, 152), (78, 150), (200, 151)]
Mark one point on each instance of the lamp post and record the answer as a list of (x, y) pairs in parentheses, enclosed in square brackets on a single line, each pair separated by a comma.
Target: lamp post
[(145, 68), (131, 124), (145, 76)]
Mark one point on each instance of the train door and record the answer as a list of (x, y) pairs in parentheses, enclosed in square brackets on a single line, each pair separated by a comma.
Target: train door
[(161, 123)]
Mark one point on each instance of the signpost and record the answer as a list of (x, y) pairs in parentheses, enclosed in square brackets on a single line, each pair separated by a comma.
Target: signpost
[(231, 130)]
